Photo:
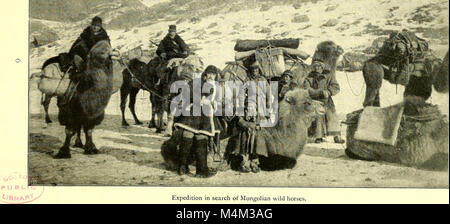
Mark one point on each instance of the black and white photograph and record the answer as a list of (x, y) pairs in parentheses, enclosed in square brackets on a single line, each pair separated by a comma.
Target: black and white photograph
[(238, 93)]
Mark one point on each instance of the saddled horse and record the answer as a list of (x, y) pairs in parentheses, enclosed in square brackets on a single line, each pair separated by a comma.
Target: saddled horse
[(181, 70), (138, 76), (418, 81)]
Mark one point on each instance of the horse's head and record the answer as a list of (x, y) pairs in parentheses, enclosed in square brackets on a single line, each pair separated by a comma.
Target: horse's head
[(138, 67)]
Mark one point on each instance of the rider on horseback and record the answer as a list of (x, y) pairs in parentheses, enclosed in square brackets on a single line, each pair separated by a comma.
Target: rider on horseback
[(172, 46)]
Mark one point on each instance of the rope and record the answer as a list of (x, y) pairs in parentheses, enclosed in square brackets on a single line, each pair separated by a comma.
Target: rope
[(348, 81), (142, 84)]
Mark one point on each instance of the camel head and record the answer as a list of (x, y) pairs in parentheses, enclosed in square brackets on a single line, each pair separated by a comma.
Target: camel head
[(329, 53), (101, 52), (299, 101)]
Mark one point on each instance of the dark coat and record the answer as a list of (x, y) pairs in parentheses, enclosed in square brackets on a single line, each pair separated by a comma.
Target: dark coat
[(172, 47), (317, 84), (86, 41)]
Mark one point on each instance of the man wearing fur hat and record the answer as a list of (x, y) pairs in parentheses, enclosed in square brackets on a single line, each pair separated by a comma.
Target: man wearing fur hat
[(286, 84), (172, 46), (88, 38), (79, 50), (322, 85)]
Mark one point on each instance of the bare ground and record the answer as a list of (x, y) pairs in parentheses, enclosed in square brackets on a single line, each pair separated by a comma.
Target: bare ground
[(131, 156)]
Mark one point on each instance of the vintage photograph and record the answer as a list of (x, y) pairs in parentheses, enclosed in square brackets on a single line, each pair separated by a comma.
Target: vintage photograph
[(245, 93)]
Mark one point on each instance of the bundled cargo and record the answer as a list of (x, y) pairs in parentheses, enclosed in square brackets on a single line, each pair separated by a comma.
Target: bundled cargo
[(248, 45), (53, 81), (293, 53), (421, 140)]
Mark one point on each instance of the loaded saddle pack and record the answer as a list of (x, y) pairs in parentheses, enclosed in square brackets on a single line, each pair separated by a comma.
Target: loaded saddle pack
[(270, 54), (410, 54)]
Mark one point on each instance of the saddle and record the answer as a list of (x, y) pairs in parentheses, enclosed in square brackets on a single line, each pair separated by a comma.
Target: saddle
[(62, 59)]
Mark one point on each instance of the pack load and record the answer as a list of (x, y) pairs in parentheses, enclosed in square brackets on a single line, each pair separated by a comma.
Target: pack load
[(248, 45), (53, 81), (421, 140), (270, 54), (410, 52)]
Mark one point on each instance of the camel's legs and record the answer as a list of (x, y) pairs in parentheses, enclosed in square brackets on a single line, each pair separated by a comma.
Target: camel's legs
[(78, 142), (90, 146), (46, 103), (64, 151)]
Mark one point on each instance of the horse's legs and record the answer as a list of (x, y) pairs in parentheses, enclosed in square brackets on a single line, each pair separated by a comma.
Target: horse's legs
[(161, 108), (124, 92), (152, 123), (78, 142), (373, 74), (46, 103), (133, 93), (90, 146), (64, 151)]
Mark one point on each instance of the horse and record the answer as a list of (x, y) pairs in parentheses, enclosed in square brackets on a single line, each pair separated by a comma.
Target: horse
[(180, 70), (86, 109), (393, 54), (136, 76)]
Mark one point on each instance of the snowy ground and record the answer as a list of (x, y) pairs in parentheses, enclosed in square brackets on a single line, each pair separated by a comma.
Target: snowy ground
[(323, 165)]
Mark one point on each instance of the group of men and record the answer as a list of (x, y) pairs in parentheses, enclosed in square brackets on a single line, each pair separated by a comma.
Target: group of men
[(320, 83)]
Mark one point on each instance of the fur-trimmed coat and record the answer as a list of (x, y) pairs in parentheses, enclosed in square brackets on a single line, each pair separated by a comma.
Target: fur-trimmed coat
[(86, 41)]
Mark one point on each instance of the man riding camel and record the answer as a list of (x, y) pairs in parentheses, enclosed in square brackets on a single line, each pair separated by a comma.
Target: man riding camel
[(78, 53), (87, 39)]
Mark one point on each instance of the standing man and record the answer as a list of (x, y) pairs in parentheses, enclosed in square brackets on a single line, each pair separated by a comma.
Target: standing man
[(321, 85)]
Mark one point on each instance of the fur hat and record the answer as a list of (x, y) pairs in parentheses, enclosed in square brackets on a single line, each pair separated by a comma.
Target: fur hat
[(96, 21), (172, 28)]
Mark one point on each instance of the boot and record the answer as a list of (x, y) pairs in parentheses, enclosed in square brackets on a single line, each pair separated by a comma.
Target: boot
[(202, 169), (338, 140), (245, 165), (183, 155)]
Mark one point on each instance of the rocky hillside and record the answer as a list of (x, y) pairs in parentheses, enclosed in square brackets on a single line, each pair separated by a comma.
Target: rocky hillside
[(213, 26)]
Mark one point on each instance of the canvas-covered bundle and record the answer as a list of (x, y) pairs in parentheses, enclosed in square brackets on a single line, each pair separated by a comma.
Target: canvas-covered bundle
[(422, 140), (271, 60), (53, 81), (248, 45)]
